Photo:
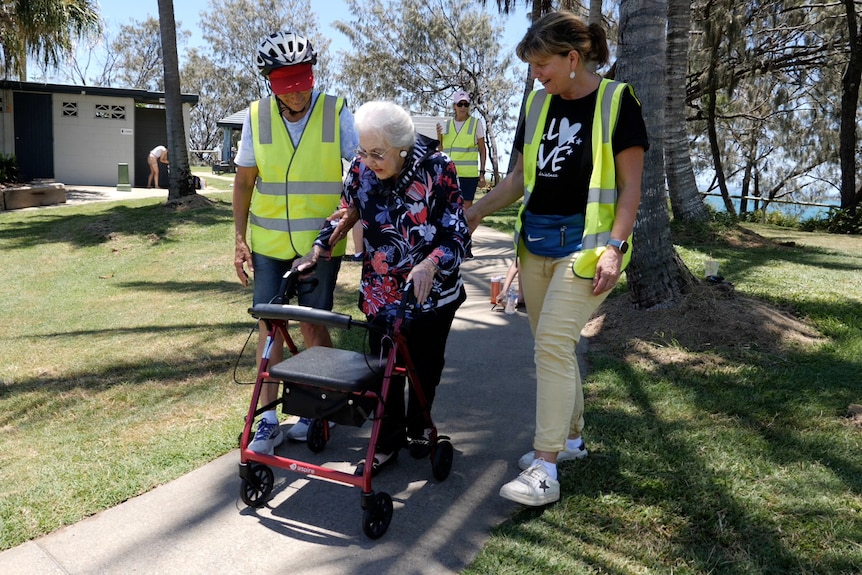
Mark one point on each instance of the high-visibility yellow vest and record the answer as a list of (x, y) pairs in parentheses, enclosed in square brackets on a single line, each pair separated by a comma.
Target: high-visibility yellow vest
[(461, 147), (297, 187), (602, 195)]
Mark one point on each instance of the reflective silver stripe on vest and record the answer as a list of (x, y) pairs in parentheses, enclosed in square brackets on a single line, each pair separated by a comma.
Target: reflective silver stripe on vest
[(329, 103), (530, 128), (607, 98), (282, 225), (264, 120), (471, 126), (464, 163), (310, 188), (533, 117), (602, 195)]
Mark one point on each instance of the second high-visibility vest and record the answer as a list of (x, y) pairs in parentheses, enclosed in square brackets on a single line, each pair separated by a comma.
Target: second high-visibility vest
[(461, 147), (602, 195), (298, 187)]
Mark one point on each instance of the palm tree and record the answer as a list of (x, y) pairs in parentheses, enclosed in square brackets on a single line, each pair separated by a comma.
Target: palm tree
[(686, 202), (656, 276), (850, 195), (44, 29), (180, 183)]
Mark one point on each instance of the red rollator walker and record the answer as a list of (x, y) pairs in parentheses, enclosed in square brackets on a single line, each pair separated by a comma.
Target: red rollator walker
[(332, 385)]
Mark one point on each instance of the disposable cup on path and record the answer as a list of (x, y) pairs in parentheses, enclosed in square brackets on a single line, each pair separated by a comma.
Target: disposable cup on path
[(496, 288), (710, 268)]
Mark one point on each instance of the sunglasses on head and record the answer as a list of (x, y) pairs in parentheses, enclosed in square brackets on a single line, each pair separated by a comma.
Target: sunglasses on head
[(463, 104)]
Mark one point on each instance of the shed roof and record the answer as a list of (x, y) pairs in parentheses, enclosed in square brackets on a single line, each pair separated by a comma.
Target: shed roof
[(141, 96), (235, 120)]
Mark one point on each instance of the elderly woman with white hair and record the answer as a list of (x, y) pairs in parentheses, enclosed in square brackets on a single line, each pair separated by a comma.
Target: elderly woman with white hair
[(405, 194)]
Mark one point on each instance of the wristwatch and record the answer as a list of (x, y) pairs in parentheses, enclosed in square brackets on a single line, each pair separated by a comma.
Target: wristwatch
[(621, 245)]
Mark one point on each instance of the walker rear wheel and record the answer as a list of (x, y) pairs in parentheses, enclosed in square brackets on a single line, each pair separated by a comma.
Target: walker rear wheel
[(316, 437), (255, 490), (377, 516)]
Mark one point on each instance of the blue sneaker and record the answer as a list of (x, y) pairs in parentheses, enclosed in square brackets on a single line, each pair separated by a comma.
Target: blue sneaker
[(267, 438)]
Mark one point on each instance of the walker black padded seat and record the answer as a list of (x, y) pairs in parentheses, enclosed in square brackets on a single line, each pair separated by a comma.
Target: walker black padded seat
[(338, 385), (331, 368)]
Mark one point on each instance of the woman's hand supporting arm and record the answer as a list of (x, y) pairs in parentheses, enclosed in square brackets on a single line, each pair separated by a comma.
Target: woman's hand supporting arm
[(629, 172), (503, 194)]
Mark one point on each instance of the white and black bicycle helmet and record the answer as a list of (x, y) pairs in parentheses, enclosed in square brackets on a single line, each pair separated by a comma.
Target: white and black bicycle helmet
[(284, 49)]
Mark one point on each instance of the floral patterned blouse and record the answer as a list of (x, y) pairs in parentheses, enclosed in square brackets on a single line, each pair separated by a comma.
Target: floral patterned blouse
[(420, 215)]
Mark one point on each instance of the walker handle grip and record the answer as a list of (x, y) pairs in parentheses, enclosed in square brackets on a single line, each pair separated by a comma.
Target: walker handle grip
[(303, 314)]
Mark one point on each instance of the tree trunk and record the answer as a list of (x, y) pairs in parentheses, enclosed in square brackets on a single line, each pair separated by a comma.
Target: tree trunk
[(685, 200), (711, 130), (656, 275), (595, 12), (849, 102), (539, 7), (180, 183)]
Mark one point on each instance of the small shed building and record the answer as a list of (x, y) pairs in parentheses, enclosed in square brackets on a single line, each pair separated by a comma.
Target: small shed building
[(78, 135)]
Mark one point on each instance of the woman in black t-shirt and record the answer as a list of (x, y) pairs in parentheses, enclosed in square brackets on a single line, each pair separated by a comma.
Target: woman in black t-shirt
[(570, 258)]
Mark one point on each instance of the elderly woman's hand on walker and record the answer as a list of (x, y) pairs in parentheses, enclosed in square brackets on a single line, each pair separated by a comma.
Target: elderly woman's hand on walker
[(422, 276)]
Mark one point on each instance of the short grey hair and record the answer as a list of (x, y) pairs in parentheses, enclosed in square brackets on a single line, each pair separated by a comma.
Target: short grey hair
[(388, 120)]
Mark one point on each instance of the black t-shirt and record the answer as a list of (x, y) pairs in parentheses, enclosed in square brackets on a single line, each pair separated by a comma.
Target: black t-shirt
[(563, 169)]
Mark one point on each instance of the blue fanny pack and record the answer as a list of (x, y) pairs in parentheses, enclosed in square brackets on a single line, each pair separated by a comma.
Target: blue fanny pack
[(553, 236)]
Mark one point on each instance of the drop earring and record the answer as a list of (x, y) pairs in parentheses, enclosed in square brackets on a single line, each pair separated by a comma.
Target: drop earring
[(572, 74)]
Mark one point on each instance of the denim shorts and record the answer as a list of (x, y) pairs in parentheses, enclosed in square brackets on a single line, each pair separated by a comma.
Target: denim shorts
[(268, 273), (468, 187)]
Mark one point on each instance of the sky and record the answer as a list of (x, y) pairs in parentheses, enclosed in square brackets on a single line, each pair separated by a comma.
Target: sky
[(119, 12)]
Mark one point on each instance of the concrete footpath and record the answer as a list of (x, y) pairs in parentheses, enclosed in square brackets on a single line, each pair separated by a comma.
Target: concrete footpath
[(199, 524)]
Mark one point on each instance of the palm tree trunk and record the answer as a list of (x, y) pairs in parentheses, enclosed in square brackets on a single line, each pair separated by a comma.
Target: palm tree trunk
[(685, 200), (849, 102), (180, 183), (656, 275)]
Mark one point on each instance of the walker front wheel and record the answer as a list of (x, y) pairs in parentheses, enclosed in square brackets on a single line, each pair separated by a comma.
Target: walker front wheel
[(255, 489), (377, 516)]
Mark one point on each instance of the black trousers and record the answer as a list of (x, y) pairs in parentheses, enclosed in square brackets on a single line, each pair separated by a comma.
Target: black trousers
[(426, 337)]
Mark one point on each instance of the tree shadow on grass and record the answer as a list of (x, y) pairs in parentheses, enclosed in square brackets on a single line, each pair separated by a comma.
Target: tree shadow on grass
[(96, 224)]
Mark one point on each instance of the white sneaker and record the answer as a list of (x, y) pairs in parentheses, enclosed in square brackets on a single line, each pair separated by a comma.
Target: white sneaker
[(565, 455), (267, 438), (299, 431), (533, 487)]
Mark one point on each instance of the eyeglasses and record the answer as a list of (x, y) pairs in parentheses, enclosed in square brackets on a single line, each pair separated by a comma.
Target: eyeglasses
[(463, 104), (374, 155)]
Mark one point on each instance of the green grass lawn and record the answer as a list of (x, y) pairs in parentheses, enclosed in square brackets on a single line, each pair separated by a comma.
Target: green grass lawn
[(122, 322), (733, 458)]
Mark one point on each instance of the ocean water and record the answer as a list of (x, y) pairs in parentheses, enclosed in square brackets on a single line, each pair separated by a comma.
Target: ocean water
[(799, 211)]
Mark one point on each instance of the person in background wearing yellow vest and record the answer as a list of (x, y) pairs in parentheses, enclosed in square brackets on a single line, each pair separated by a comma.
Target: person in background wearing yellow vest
[(464, 143), (288, 180), (579, 168)]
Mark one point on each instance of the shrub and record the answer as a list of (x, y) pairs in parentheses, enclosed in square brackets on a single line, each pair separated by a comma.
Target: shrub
[(773, 217), (837, 222), (8, 168)]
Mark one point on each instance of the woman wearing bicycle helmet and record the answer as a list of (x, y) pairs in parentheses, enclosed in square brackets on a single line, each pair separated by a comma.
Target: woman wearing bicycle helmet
[(288, 181)]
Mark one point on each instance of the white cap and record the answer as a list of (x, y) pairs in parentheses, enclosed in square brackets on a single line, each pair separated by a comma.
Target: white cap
[(459, 96)]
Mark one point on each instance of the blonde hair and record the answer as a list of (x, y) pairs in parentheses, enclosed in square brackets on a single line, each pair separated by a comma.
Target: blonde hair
[(388, 120), (558, 33)]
